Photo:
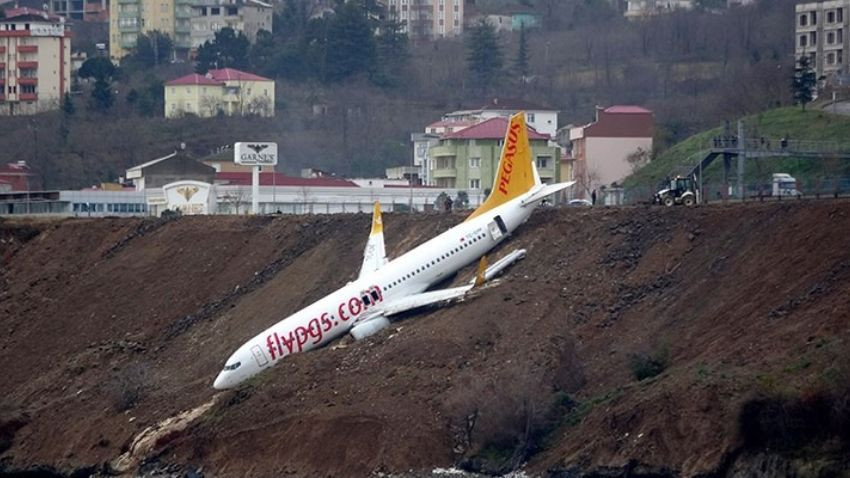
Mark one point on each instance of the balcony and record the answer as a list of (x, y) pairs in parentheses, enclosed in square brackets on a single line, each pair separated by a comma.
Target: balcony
[(28, 65), (27, 81), (28, 96), (27, 48), (444, 173)]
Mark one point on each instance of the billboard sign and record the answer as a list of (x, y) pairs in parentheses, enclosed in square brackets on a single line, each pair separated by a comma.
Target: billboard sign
[(255, 154), (188, 197)]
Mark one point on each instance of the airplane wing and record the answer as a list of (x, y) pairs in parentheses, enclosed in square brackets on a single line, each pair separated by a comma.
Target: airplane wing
[(375, 255), (378, 318)]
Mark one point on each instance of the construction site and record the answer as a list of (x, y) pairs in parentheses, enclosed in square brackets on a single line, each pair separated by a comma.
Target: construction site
[(634, 341)]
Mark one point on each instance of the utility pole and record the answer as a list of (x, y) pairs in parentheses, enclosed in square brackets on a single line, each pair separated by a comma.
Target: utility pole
[(741, 156)]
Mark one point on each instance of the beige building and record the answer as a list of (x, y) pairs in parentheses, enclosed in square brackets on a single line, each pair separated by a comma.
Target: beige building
[(226, 91), (600, 149), (422, 19), (820, 34), (129, 18), (245, 16), (35, 61)]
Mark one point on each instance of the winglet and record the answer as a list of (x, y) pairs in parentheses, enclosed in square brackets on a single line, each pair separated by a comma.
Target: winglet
[(516, 174), (377, 222), (481, 272)]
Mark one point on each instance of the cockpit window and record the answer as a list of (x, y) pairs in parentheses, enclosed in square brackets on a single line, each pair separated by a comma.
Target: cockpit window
[(233, 366)]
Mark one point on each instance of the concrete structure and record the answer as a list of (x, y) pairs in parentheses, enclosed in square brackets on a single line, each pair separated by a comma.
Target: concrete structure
[(245, 16), (168, 169), (428, 19), (467, 159), (739, 3), (543, 120), (513, 21), (821, 34), (129, 18), (600, 148), (226, 91), (85, 10), (35, 61), (641, 8)]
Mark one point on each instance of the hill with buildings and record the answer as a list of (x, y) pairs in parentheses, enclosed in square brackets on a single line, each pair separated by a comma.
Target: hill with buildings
[(640, 341), (812, 130)]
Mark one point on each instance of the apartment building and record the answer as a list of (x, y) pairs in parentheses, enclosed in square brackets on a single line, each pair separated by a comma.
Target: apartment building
[(600, 149), (641, 8), (245, 16), (226, 91), (468, 158), (129, 18), (85, 10), (35, 61), (428, 19), (821, 35)]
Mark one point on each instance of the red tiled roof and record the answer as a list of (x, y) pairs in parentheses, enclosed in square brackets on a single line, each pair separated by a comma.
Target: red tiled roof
[(193, 79), (230, 74), (278, 179), (13, 13), (627, 109), (493, 128)]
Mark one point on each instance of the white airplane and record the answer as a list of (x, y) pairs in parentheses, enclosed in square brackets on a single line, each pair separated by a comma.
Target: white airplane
[(383, 289)]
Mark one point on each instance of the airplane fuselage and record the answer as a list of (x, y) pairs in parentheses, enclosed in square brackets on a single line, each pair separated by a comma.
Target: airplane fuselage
[(413, 272)]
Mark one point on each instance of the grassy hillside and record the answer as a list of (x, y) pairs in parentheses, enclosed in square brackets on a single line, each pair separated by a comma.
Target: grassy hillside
[(794, 123)]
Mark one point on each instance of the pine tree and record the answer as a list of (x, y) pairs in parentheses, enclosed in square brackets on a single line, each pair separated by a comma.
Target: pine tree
[(101, 95), (804, 82), (392, 54), (350, 44), (484, 55), (521, 64), (228, 49), (68, 108)]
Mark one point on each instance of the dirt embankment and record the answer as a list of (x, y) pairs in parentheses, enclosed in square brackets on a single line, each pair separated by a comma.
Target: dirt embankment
[(649, 340)]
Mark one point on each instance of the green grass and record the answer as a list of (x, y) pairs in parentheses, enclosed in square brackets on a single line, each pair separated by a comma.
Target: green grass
[(809, 125)]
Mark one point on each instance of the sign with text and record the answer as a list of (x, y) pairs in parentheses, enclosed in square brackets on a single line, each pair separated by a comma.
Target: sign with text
[(188, 197), (255, 154), (47, 30)]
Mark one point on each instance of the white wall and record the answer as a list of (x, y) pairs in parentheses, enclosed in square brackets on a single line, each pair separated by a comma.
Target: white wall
[(606, 157)]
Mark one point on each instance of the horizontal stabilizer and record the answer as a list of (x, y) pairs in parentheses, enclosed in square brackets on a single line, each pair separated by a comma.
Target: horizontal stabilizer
[(546, 190)]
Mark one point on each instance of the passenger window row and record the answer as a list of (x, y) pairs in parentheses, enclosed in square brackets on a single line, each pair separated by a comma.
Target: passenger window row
[(434, 262)]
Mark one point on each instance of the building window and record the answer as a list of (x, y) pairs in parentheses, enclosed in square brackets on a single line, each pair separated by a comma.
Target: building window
[(529, 117), (215, 11), (474, 184), (813, 38), (839, 15), (830, 58), (474, 163), (232, 11), (803, 41), (804, 20), (830, 17), (542, 162), (830, 38), (814, 18)]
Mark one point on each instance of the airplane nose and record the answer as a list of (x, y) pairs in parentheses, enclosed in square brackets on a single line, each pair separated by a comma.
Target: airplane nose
[(220, 382)]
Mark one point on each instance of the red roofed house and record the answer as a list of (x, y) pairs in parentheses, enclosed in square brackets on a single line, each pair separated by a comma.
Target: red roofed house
[(35, 61), (601, 148), (468, 158), (225, 91), (18, 177)]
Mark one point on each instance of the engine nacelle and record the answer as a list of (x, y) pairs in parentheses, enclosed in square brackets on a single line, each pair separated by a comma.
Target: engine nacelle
[(371, 326)]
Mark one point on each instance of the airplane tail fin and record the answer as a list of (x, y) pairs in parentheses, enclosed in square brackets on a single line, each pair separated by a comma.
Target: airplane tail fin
[(516, 173)]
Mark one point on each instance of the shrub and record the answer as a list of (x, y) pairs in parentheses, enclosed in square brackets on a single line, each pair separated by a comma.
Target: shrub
[(645, 366)]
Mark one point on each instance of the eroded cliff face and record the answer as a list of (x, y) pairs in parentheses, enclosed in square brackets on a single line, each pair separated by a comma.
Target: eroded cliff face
[(653, 341)]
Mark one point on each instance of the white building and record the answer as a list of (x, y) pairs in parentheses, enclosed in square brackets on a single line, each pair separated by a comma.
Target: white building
[(821, 35), (642, 8), (243, 16)]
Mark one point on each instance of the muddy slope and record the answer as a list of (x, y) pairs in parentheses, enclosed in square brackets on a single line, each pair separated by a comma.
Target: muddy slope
[(658, 341)]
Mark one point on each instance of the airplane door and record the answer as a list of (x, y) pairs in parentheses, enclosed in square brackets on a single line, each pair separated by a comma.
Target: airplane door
[(497, 228), (259, 356)]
